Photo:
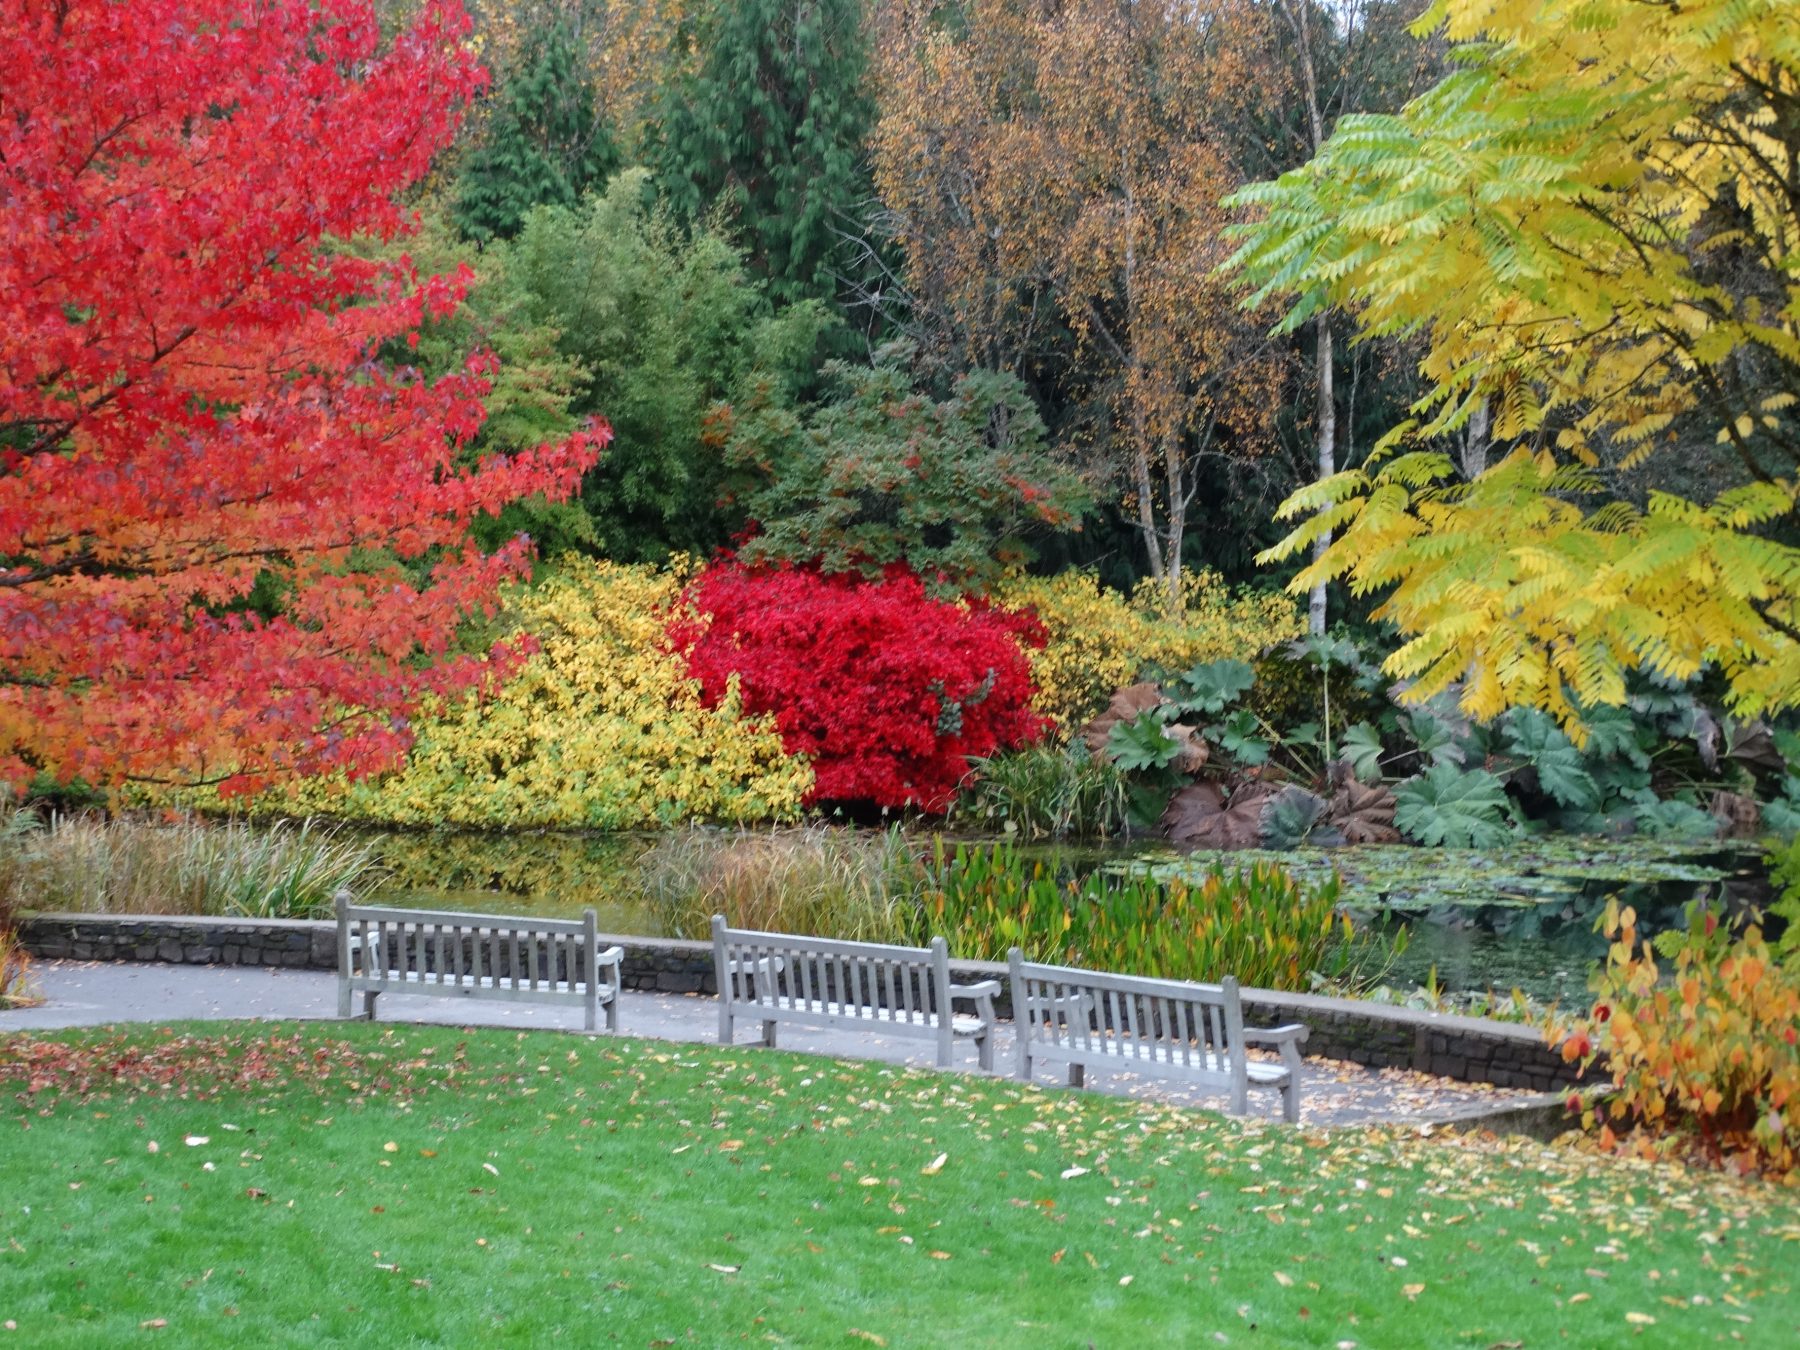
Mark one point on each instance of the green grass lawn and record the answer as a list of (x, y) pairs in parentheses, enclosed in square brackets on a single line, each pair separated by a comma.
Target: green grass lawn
[(404, 1185)]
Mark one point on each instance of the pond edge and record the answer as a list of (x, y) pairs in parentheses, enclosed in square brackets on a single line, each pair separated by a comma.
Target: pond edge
[(1449, 1045)]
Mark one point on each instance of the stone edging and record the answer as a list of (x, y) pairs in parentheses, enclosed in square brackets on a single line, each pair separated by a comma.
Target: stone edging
[(1470, 1049)]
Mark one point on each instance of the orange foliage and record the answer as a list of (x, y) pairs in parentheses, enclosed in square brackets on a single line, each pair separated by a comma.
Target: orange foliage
[(1707, 1048)]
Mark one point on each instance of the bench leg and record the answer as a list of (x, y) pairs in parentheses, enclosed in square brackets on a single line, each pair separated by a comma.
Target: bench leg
[(590, 1014), (984, 1051), (1077, 1075), (727, 1023), (345, 1006), (769, 1034), (945, 1055), (1290, 1102), (369, 997), (612, 1013)]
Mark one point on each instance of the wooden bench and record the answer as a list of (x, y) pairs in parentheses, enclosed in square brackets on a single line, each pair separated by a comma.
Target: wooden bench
[(505, 957), (778, 977), (1088, 1019)]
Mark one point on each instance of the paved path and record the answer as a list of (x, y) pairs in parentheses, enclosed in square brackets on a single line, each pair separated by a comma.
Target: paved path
[(98, 993)]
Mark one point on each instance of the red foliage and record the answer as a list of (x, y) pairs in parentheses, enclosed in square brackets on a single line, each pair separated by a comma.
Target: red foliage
[(875, 682), (190, 393)]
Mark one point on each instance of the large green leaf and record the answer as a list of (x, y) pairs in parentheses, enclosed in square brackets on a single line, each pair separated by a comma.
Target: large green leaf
[(1534, 739), (1215, 686), (1360, 748), (1142, 743), (1453, 807), (1240, 737)]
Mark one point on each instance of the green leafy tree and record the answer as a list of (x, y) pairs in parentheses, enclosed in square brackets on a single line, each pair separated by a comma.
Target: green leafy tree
[(771, 125), (662, 325), (545, 142), (880, 473), (1590, 228)]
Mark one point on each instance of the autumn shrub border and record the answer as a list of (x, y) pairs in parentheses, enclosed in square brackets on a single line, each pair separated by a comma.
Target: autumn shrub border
[(1703, 1045)]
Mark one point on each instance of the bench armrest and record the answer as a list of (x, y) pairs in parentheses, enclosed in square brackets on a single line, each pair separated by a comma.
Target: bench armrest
[(613, 956), (982, 992), (1294, 1032), (1288, 1038), (980, 989)]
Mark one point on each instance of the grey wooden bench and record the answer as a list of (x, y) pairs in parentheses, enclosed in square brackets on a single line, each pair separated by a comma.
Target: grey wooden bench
[(779, 977), (1093, 1020), (506, 957)]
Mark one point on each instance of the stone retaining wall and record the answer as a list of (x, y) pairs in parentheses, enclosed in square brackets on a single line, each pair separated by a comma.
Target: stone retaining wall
[(1469, 1049)]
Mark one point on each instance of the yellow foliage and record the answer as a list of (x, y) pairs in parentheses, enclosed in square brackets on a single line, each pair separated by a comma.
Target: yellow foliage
[(1589, 229), (1100, 640), (600, 729)]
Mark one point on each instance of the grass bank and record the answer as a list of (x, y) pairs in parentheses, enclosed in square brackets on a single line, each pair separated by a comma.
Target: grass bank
[(389, 1185)]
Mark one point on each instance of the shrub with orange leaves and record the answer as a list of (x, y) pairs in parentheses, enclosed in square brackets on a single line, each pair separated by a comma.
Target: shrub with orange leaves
[(1701, 1049)]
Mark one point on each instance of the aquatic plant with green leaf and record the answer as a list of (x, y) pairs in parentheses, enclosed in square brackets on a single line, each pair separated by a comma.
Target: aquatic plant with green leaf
[(1257, 924)]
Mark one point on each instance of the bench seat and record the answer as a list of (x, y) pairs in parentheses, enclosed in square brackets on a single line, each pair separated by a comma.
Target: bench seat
[(1089, 1019), (511, 958), (773, 978)]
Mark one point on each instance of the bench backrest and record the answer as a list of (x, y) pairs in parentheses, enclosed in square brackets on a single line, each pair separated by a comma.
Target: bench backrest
[(758, 969), (1131, 1016), (443, 947)]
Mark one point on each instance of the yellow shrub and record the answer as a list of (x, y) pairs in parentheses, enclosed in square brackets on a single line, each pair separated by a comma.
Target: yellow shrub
[(600, 729), (1100, 640)]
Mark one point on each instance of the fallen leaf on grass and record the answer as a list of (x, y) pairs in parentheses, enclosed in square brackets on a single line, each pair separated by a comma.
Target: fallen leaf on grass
[(936, 1165), (1125, 1280), (154, 1324), (195, 1140), (723, 1270), (1283, 1279), (1638, 1319), (1070, 1173), (868, 1336), (489, 1167), (390, 1147), (938, 1256), (1412, 1291), (1057, 1256), (1579, 1298)]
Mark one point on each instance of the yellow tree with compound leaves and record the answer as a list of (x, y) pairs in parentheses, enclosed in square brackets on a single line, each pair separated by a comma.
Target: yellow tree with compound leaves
[(1592, 230)]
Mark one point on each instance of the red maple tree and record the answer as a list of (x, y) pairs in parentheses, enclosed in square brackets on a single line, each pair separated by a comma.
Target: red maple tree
[(194, 400)]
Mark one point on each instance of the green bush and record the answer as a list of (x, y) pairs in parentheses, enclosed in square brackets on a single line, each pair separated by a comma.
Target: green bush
[(1257, 924)]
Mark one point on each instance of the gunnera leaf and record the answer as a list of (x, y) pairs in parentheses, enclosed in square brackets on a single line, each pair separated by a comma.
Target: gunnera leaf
[(1453, 808), (1213, 687), (1363, 813), (1125, 705), (1533, 738), (1237, 825), (1360, 748), (1294, 818)]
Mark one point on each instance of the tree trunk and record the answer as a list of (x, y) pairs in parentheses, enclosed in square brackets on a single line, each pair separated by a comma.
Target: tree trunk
[(1297, 13), (1326, 416)]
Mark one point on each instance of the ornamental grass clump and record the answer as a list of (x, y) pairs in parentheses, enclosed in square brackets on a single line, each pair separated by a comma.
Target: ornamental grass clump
[(832, 882), (1703, 1051), (1258, 924), (126, 865)]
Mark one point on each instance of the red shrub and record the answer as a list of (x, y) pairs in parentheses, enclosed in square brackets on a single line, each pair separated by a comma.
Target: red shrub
[(887, 691)]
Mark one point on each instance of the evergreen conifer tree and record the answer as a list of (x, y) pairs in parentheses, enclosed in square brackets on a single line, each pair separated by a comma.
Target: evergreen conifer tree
[(546, 143), (772, 122)]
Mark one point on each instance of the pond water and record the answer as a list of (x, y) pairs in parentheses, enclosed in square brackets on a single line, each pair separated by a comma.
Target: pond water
[(1520, 917)]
